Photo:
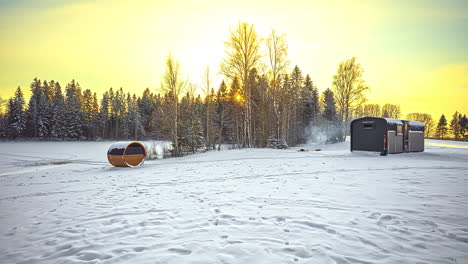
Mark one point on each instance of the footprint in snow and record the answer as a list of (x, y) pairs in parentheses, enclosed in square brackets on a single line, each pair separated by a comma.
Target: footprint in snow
[(139, 249), (181, 251), (374, 215)]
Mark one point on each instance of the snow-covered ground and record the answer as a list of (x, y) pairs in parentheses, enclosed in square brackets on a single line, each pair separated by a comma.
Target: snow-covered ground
[(63, 203)]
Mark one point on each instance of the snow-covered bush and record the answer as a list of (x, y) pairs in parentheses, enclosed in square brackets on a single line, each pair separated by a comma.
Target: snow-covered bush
[(273, 142)]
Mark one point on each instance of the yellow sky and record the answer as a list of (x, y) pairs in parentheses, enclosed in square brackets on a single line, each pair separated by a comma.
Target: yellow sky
[(413, 55)]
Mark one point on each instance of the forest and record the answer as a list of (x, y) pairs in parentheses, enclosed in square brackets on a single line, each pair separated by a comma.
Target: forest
[(262, 102)]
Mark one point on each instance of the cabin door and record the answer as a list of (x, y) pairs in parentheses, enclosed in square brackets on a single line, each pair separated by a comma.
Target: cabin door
[(405, 137)]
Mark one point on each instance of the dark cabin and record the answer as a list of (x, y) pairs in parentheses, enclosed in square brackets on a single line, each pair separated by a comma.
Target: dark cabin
[(387, 136)]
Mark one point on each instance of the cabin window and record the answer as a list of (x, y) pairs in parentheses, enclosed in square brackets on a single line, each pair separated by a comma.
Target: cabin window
[(368, 124), (399, 130)]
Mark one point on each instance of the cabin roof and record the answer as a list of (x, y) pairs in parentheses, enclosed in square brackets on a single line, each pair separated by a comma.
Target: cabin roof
[(393, 121), (416, 124)]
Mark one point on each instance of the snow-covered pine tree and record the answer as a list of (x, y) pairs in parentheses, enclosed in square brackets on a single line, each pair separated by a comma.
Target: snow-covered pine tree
[(184, 124), (210, 112), (16, 115), (3, 126), (104, 115), (73, 111), (96, 119), (137, 129), (295, 125), (236, 98), (190, 127), (118, 110), (112, 117), (146, 108), (315, 104), (126, 118), (222, 114), (2, 103), (310, 101), (258, 85), (48, 89), (58, 118), (49, 111), (3, 120), (37, 119), (332, 125), (307, 93), (196, 128), (88, 112), (42, 121)]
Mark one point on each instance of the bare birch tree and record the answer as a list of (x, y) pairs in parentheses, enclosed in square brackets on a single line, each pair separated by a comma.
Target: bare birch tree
[(372, 110), (174, 86), (425, 118), (391, 111), (277, 55), (349, 89), (243, 55), (209, 109)]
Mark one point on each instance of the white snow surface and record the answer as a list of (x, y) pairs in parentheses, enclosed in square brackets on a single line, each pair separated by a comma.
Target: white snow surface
[(61, 202)]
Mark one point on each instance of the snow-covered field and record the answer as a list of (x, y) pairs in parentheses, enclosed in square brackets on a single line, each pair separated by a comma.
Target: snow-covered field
[(63, 203)]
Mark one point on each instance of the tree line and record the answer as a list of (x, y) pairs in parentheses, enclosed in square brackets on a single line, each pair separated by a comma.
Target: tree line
[(262, 102), (458, 127)]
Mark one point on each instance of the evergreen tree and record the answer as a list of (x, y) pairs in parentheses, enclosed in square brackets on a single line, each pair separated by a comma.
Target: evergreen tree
[(441, 127), (455, 125), (222, 114), (104, 114), (74, 120), (209, 111), (236, 99), (332, 124), (3, 126), (3, 120), (2, 103), (147, 107), (153, 126), (310, 103), (136, 123), (58, 117), (49, 91), (111, 113), (261, 103), (96, 118), (118, 110), (296, 125), (191, 129), (16, 115), (88, 113), (463, 126), (125, 125), (37, 119)]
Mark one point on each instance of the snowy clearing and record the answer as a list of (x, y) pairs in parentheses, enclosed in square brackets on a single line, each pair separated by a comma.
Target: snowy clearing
[(61, 202)]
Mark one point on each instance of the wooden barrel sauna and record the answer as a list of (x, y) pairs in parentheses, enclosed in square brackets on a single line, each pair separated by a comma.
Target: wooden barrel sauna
[(126, 154)]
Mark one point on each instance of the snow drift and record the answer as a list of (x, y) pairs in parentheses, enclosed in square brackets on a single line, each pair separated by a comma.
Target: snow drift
[(237, 206)]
